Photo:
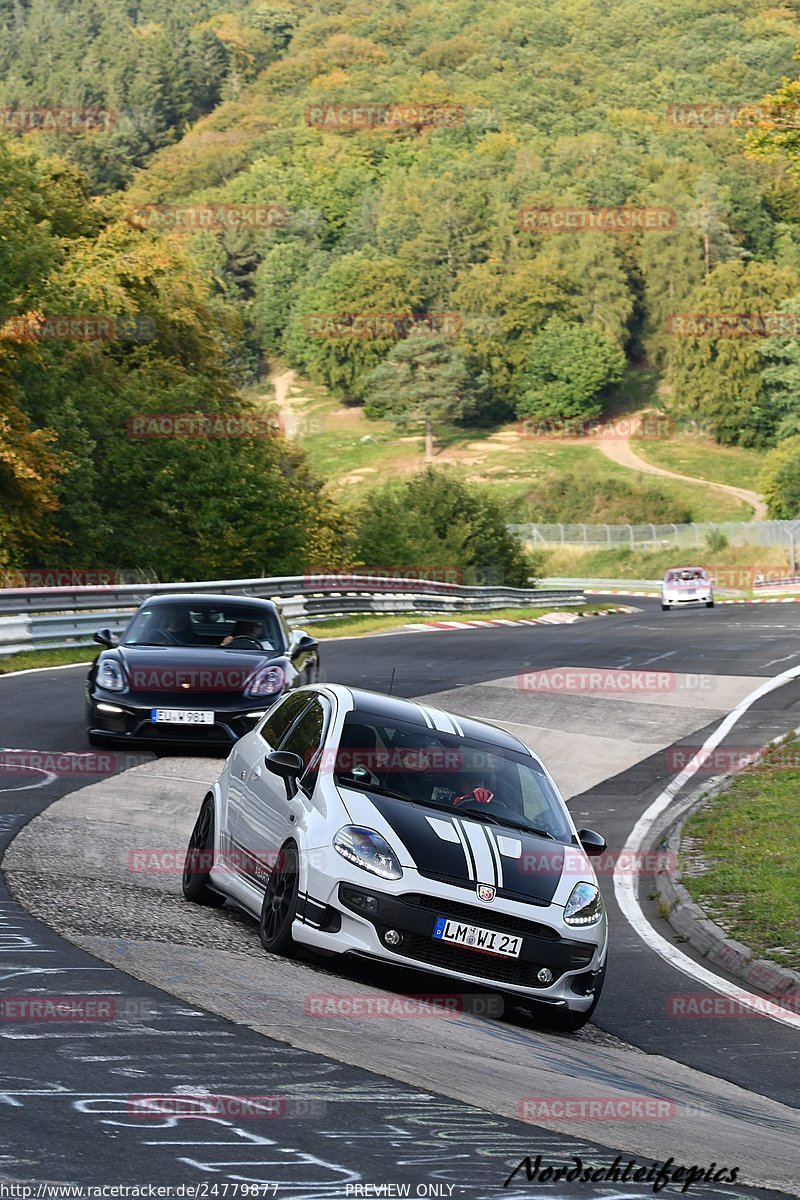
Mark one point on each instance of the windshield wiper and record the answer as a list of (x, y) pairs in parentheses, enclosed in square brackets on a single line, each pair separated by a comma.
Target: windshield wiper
[(493, 819)]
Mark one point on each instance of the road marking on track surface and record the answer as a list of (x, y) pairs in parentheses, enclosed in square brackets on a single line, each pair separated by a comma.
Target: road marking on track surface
[(625, 883)]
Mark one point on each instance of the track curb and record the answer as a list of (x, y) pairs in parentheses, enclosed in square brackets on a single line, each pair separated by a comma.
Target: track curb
[(693, 924)]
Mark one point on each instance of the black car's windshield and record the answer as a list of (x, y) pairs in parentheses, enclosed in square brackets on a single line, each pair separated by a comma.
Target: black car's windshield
[(190, 624), (414, 763)]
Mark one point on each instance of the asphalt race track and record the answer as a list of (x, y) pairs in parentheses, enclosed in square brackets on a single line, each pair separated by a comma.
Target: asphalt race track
[(367, 1104)]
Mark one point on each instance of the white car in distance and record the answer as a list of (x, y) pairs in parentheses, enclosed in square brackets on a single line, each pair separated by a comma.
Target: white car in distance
[(684, 587)]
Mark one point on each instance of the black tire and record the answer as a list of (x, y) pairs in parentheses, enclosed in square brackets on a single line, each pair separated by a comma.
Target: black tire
[(709, 603), (194, 882), (564, 1020), (94, 740), (279, 905), (665, 608)]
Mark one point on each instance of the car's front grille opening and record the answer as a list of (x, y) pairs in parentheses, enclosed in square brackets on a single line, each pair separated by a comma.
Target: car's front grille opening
[(481, 916), (470, 962)]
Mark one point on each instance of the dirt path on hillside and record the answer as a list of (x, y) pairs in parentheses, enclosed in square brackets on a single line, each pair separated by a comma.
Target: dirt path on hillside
[(620, 452)]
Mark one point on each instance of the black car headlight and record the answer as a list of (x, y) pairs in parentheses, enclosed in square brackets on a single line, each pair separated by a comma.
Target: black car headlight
[(585, 905), (266, 682), (111, 676), (369, 850)]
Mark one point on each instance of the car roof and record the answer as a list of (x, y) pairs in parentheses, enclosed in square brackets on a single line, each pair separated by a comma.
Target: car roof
[(669, 570), (209, 598), (412, 712)]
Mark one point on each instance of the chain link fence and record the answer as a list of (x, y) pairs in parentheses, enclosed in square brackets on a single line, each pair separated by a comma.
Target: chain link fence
[(657, 537)]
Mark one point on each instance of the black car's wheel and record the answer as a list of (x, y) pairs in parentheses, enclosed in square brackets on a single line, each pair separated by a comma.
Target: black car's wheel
[(565, 1020), (197, 863), (280, 904)]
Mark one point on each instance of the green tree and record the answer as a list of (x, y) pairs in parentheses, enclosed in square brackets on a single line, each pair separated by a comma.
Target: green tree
[(716, 379), (435, 521), (424, 381), (566, 371), (780, 480)]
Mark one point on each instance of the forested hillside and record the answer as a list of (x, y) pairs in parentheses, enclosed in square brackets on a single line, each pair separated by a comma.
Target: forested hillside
[(402, 142)]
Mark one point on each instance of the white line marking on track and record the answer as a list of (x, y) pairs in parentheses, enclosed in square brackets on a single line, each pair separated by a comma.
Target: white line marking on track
[(658, 658), (772, 661), (625, 884), (38, 670)]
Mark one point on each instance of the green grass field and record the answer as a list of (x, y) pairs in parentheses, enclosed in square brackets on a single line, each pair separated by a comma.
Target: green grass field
[(740, 862), (703, 459), (543, 479)]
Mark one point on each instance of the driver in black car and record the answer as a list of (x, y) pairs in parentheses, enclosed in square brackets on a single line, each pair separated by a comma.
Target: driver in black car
[(170, 629), (250, 631)]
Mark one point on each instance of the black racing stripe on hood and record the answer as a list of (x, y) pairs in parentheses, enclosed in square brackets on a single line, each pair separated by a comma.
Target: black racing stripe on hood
[(533, 877)]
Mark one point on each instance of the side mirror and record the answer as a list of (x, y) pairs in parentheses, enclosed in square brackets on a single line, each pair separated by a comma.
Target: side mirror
[(104, 637), (282, 762), (593, 843), (303, 640)]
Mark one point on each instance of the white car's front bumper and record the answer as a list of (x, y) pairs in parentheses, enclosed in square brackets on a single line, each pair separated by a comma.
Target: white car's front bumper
[(328, 920)]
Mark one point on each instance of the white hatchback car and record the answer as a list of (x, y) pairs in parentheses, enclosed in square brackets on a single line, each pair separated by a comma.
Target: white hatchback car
[(686, 586), (363, 824)]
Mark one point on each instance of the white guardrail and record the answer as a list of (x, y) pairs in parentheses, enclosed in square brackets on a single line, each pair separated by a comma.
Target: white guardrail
[(54, 618)]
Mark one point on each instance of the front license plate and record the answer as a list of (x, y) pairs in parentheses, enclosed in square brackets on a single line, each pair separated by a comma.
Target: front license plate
[(178, 716), (491, 942)]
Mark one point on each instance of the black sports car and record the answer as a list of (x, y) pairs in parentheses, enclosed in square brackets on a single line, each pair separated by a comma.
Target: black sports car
[(195, 670)]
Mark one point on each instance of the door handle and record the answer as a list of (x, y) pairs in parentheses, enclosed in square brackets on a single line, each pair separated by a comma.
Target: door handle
[(242, 774), (257, 772)]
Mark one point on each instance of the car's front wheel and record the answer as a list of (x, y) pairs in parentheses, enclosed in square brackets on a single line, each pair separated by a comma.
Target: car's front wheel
[(199, 855), (279, 906), (709, 603)]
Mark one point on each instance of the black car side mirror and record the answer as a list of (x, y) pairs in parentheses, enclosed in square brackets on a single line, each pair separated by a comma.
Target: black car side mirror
[(593, 843), (284, 763), (104, 637)]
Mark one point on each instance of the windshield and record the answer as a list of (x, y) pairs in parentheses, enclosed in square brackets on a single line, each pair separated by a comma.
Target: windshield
[(688, 575), (421, 765), (227, 626)]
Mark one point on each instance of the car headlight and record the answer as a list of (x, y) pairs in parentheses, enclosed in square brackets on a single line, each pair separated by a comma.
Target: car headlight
[(585, 905), (266, 682), (111, 676), (369, 850)]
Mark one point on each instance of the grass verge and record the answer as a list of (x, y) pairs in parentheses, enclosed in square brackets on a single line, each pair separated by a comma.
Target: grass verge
[(46, 658), (352, 626), (739, 858)]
